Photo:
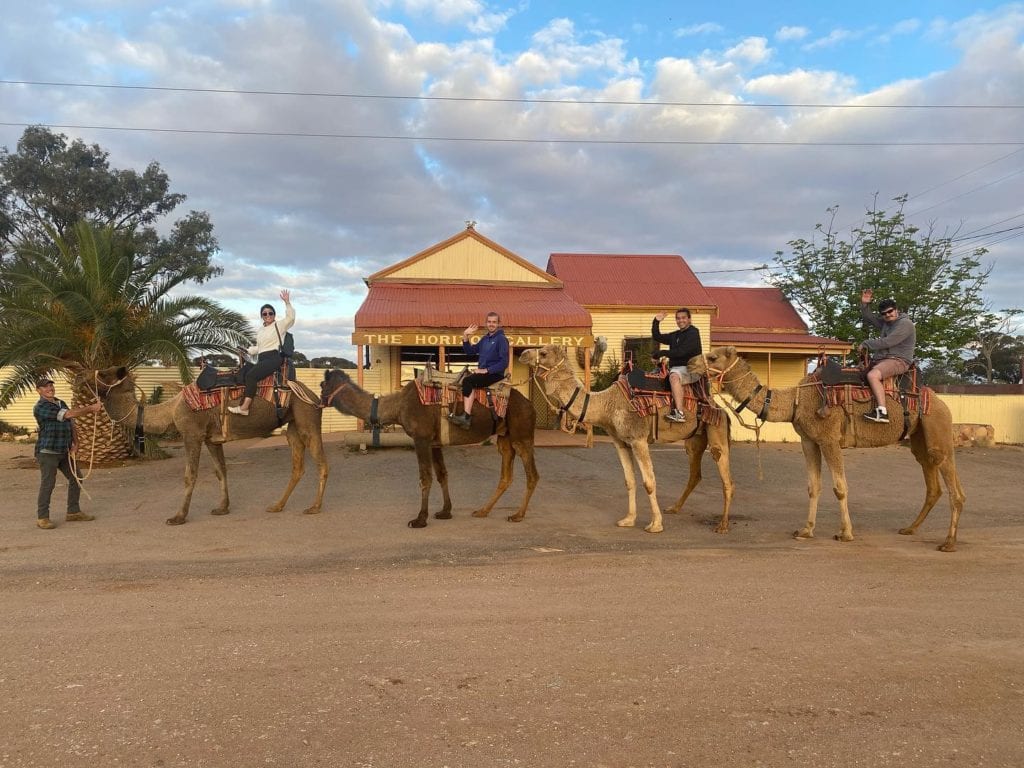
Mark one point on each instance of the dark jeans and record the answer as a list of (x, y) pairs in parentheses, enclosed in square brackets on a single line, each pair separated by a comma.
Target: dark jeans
[(266, 364), (479, 381), (49, 463)]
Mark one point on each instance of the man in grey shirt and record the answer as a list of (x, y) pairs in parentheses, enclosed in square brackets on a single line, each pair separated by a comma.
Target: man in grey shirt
[(892, 353)]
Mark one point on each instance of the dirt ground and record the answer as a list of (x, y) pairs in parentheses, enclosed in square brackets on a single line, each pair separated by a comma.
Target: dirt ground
[(349, 639)]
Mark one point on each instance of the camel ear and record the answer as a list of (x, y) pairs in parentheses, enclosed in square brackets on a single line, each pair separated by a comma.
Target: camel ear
[(122, 372), (731, 351)]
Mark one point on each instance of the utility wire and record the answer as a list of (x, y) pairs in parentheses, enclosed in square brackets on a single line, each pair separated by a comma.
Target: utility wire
[(499, 140), (495, 100)]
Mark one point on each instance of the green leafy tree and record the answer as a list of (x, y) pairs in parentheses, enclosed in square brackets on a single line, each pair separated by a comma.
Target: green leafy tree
[(997, 353), (49, 185), (332, 362), (940, 290), (88, 302)]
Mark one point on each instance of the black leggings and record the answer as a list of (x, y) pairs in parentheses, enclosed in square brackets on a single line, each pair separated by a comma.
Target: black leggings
[(479, 381), (266, 364)]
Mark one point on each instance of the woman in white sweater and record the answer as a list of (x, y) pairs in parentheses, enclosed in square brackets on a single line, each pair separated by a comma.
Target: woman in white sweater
[(268, 342)]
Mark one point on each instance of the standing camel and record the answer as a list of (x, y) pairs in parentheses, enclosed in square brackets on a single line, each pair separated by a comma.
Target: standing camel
[(303, 416), (423, 423), (610, 409), (828, 432)]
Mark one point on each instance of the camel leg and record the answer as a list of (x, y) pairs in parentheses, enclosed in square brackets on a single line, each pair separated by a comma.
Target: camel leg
[(220, 468), (720, 453), (508, 457), (626, 460), (834, 458), (316, 450), (947, 467), (298, 467), (193, 447), (643, 458), (812, 460), (441, 472), (532, 477), (425, 463), (695, 447)]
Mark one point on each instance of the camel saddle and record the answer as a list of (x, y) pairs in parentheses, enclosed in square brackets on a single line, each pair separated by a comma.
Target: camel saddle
[(445, 389), (846, 387), (212, 387)]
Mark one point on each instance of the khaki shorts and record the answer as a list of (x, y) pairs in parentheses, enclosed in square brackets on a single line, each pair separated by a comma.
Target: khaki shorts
[(891, 366), (684, 374)]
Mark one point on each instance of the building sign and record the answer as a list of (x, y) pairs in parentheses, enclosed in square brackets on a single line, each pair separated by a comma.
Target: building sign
[(449, 339)]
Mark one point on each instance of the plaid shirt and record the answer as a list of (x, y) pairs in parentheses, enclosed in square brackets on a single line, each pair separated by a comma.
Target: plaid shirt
[(55, 431)]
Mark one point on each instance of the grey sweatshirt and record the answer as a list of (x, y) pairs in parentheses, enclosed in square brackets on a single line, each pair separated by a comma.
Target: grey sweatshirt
[(898, 338)]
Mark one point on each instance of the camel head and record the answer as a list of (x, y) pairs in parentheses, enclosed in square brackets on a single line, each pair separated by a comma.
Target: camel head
[(333, 383), (114, 380), (544, 359), (717, 363)]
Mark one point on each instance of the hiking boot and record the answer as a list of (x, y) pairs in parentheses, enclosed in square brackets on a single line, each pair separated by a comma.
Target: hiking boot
[(237, 410), (79, 517), (676, 416), (460, 420), (877, 415), (44, 523)]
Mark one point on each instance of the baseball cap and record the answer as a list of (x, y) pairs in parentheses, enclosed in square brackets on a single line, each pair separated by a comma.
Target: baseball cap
[(43, 381)]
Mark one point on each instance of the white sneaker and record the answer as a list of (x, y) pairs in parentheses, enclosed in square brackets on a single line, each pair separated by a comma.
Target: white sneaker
[(237, 410), (676, 416), (877, 415)]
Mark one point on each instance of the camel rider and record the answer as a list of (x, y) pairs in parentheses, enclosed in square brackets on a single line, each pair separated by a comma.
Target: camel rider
[(492, 362), (269, 340), (892, 353), (682, 345)]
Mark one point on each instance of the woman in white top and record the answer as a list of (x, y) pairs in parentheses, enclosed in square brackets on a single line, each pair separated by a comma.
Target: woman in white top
[(266, 349)]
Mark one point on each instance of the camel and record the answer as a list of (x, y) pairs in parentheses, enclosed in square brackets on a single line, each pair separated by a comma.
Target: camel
[(610, 409), (303, 416), (826, 432), (423, 424)]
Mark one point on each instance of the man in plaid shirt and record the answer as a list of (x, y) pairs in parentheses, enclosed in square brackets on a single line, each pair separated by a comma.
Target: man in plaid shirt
[(57, 442)]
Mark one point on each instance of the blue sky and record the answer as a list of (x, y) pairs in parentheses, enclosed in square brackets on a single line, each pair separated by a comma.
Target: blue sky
[(541, 151)]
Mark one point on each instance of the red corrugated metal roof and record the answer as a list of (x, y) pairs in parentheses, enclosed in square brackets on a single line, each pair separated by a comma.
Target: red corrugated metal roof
[(629, 280), (751, 308), (407, 305)]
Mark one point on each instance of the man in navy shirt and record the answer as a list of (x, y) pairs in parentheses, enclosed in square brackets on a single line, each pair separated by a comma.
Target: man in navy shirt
[(492, 362), (57, 442)]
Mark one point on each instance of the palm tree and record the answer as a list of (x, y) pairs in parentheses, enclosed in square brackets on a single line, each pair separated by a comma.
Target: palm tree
[(87, 302)]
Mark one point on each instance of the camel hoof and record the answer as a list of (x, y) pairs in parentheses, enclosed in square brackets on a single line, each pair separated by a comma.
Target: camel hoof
[(516, 518), (418, 523), (652, 528), (722, 528), (311, 511), (843, 537), (219, 511), (481, 512), (907, 531), (672, 510), (803, 535), (175, 520), (274, 510), (626, 523), (948, 546), (444, 514)]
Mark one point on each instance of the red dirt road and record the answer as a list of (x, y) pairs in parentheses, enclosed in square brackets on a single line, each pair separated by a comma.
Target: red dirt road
[(348, 639)]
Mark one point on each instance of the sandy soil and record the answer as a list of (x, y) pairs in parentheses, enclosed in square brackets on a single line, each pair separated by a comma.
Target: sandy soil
[(348, 639)]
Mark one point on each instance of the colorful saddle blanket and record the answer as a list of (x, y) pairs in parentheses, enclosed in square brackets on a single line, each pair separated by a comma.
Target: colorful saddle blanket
[(205, 399), (441, 391), (840, 386)]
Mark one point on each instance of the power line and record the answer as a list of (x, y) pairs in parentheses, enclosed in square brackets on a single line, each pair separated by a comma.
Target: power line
[(496, 100), (499, 140)]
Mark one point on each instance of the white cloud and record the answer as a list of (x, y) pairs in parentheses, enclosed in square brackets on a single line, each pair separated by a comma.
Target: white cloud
[(695, 30), (789, 34)]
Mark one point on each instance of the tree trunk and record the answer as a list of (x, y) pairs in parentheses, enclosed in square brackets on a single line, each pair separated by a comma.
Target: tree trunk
[(99, 438)]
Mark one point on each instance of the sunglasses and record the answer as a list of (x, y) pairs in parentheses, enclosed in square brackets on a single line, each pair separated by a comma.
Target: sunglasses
[(266, 314)]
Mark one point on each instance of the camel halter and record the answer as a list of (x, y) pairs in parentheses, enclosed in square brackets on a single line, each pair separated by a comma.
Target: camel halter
[(541, 373), (329, 399)]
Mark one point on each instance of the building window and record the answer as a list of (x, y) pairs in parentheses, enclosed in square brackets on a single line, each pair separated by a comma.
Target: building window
[(639, 349)]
